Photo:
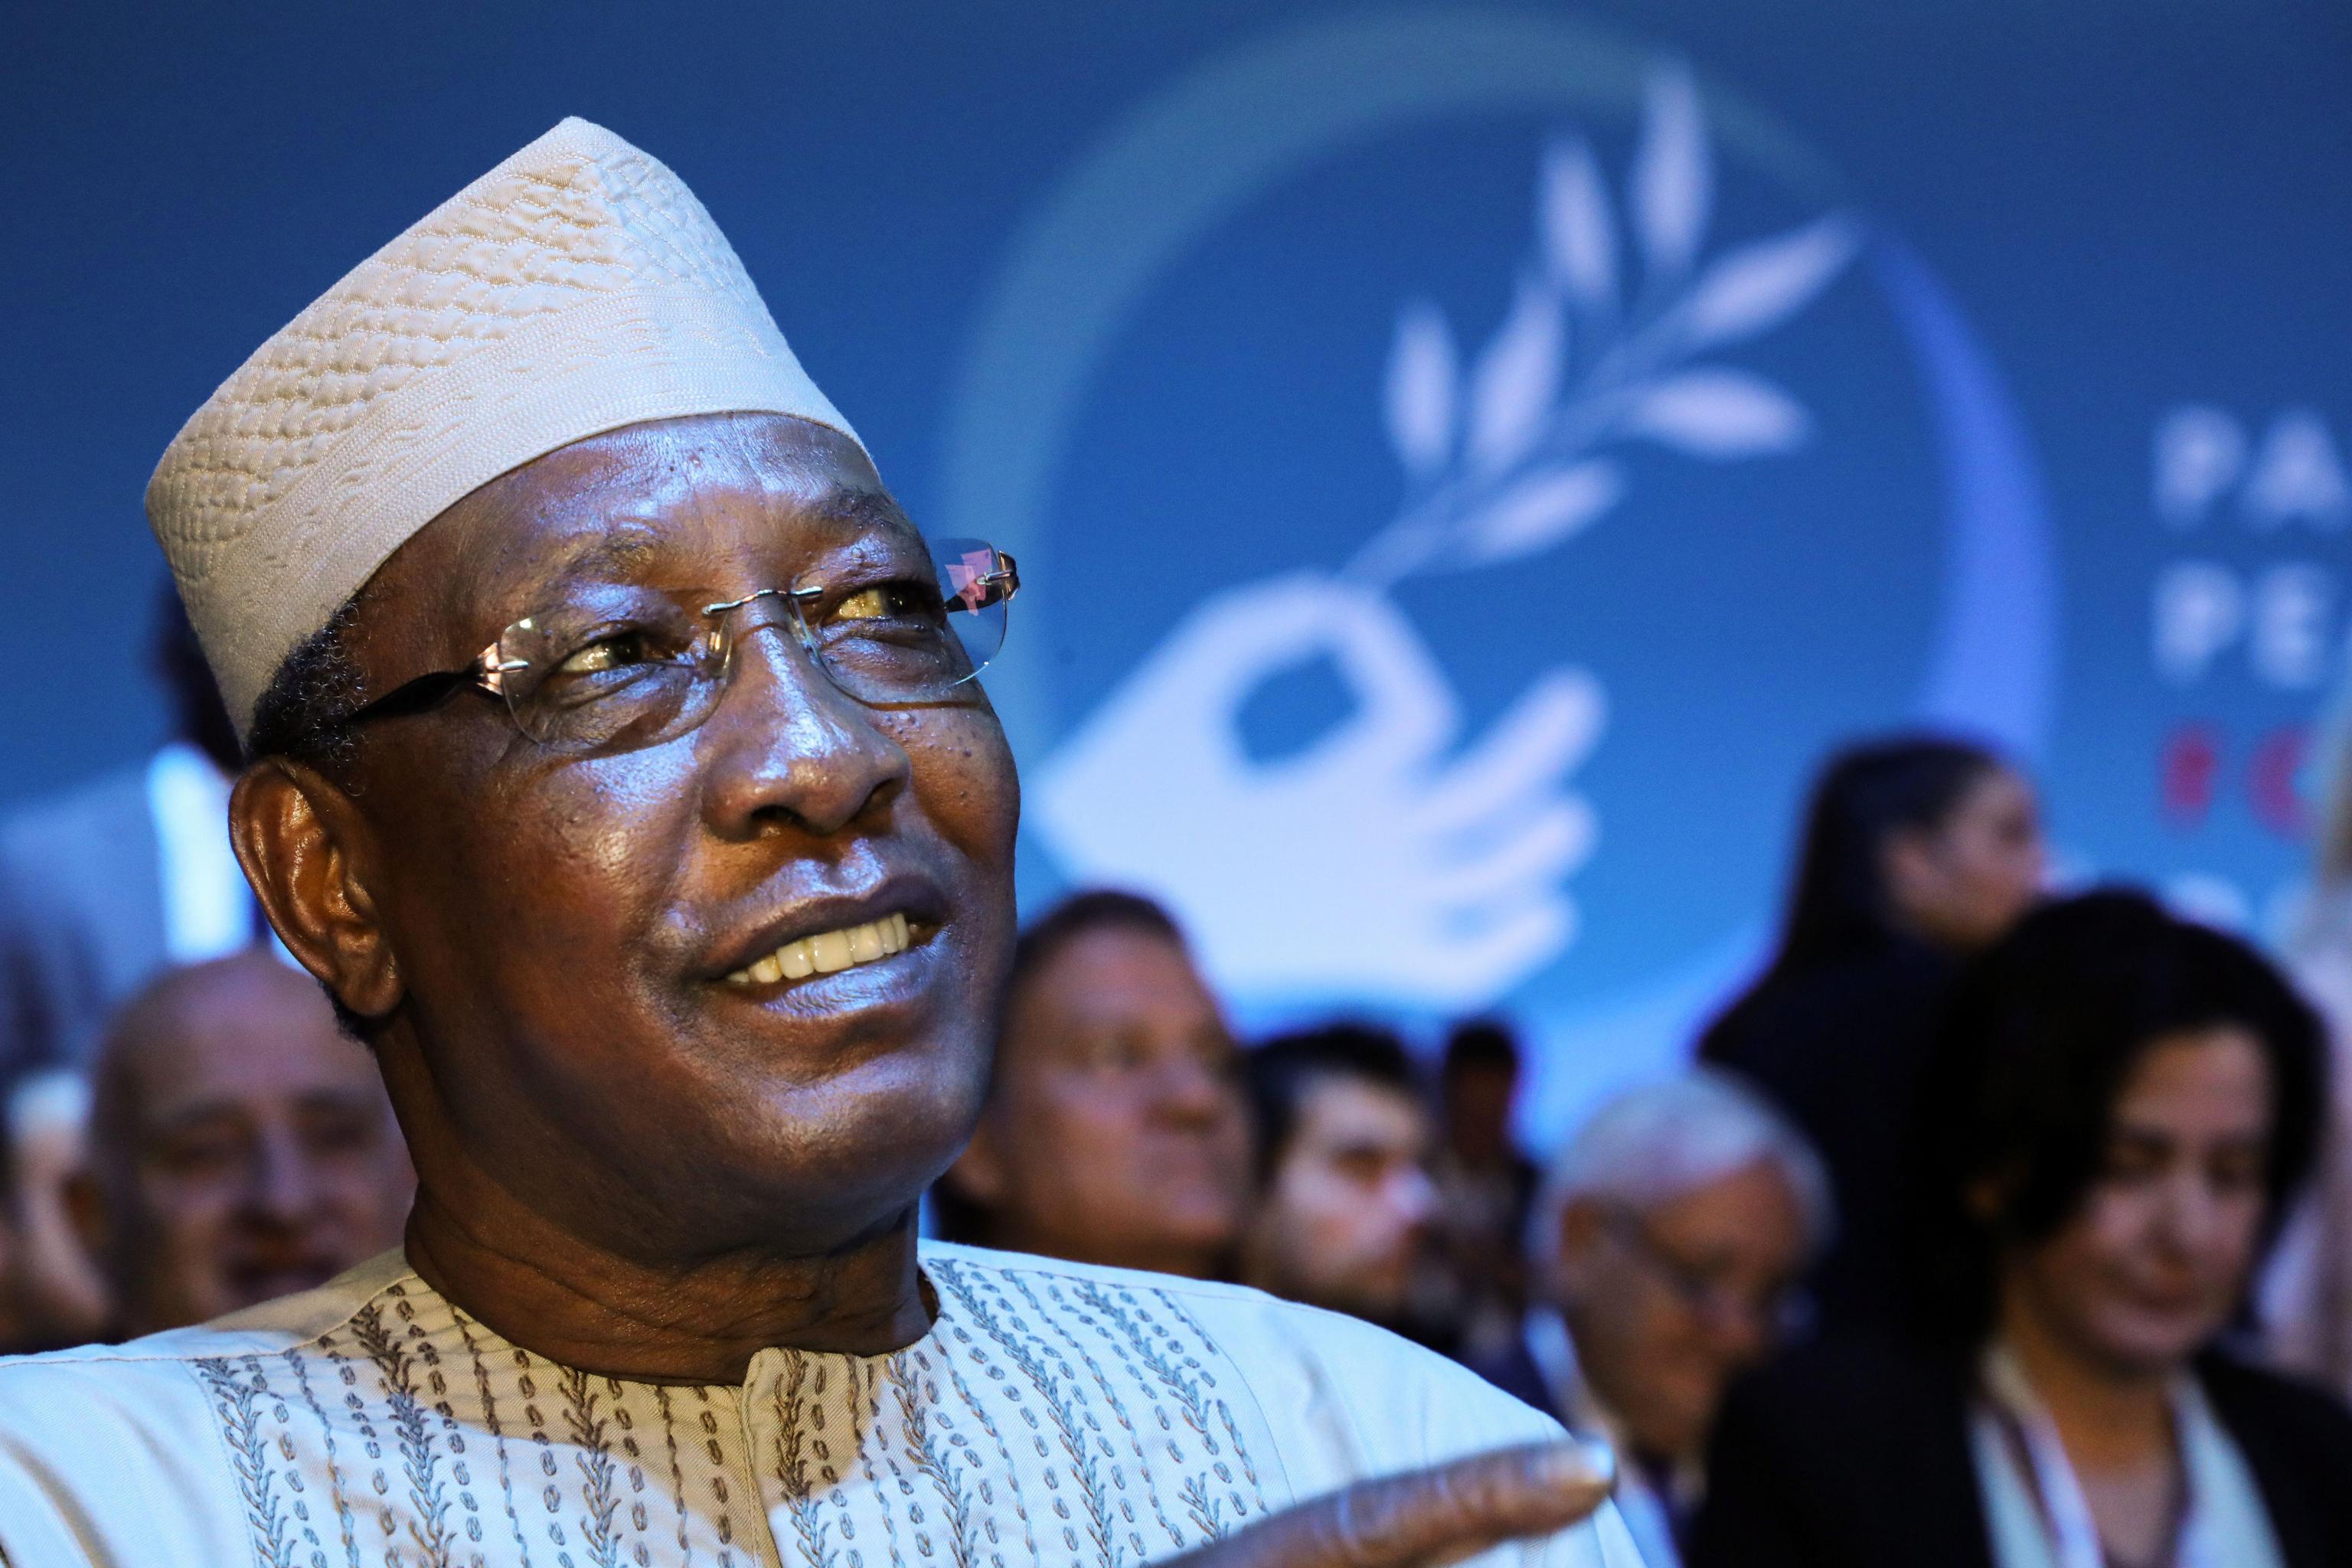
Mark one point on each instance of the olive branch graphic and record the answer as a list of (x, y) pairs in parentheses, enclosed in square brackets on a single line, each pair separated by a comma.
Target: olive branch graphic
[(1507, 457)]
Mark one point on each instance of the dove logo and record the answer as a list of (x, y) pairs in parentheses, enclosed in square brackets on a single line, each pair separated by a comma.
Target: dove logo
[(1465, 570)]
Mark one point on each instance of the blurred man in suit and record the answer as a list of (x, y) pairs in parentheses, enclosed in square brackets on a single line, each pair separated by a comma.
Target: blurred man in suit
[(1345, 1199), (1476, 1276), (1665, 1245)]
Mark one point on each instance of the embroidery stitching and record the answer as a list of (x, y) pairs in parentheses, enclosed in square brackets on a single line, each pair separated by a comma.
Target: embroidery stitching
[(238, 1406), (418, 1462), (1070, 1414), (1132, 1443)]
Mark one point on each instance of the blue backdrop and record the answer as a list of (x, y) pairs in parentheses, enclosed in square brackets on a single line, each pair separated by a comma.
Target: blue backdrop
[(1469, 461)]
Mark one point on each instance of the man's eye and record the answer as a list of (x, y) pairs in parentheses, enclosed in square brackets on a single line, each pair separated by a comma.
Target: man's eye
[(197, 1154), (336, 1131), (883, 602), (618, 651), (1112, 1053), (2236, 1170)]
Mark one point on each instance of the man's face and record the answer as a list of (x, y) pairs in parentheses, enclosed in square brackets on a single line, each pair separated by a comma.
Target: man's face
[(254, 1154), (1116, 1133), (1343, 1219), (569, 927), (1668, 1306)]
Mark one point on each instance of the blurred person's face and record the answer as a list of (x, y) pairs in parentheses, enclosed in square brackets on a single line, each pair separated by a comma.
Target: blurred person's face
[(1964, 882), (57, 1284), (1116, 1133), (1343, 1219), (1668, 1306), (256, 1155), (2157, 1259)]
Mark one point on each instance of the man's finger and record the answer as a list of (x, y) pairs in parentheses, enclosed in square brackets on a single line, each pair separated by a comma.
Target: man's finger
[(1524, 753), (1426, 1517), (1542, 850)]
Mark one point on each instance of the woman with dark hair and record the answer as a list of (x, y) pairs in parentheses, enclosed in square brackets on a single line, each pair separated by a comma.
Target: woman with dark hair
[(2118, 1115), (1918, 851)]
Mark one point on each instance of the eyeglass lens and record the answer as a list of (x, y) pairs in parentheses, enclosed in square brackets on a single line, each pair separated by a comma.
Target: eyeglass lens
[(1709, 1290), (897, 620)]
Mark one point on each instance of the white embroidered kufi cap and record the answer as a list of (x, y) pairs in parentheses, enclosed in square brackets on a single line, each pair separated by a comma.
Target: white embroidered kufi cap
[(576, 288)]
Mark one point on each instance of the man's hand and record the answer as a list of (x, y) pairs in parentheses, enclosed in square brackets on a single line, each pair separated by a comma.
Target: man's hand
[(1426, 1518)]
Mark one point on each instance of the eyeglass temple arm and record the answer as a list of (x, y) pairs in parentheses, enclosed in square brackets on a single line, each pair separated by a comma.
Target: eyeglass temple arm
[(1000, 586), (489, 671)]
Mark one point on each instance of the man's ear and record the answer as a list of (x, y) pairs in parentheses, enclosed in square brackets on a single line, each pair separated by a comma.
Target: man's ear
[(310, 854), (1581, 1222)]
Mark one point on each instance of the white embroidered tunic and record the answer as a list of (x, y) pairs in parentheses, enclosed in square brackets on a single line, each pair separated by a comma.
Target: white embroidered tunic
[(1055, 1413)]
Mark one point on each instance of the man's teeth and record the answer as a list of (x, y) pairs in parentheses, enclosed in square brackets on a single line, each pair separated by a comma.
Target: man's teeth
[(828, 952)]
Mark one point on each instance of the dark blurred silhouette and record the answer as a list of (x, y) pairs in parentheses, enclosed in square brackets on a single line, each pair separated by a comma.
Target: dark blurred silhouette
[(103, 887), (1916, 852), (2118, 1114), (1115, 1130), (1474, 1277), (1344, 1201), (241, 1146)]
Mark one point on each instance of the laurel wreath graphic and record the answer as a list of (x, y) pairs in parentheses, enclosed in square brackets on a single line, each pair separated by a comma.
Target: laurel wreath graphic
[(1509, 458)]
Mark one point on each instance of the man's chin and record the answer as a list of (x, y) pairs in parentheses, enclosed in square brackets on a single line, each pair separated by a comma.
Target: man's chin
[(810, 1186)]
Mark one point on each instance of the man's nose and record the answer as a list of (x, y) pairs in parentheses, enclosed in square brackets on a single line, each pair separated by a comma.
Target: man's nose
[(1192, 1091), (785, 742), (280, 1183), (1742, 1330), (1412, 1196)]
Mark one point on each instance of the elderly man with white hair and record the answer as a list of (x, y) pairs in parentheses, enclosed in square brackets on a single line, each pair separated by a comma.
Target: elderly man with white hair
[(1663, 1249)]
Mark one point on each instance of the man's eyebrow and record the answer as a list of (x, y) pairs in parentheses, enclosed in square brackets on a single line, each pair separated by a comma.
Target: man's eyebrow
[(624, 550), (232, 1106), (334, 1097), (196, 1112), (867, 508)]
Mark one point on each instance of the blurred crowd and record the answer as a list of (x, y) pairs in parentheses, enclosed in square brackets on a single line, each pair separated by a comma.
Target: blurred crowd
[(1985, 1225)]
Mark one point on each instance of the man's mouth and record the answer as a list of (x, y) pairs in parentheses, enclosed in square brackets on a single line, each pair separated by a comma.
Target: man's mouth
[(828, 952)]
